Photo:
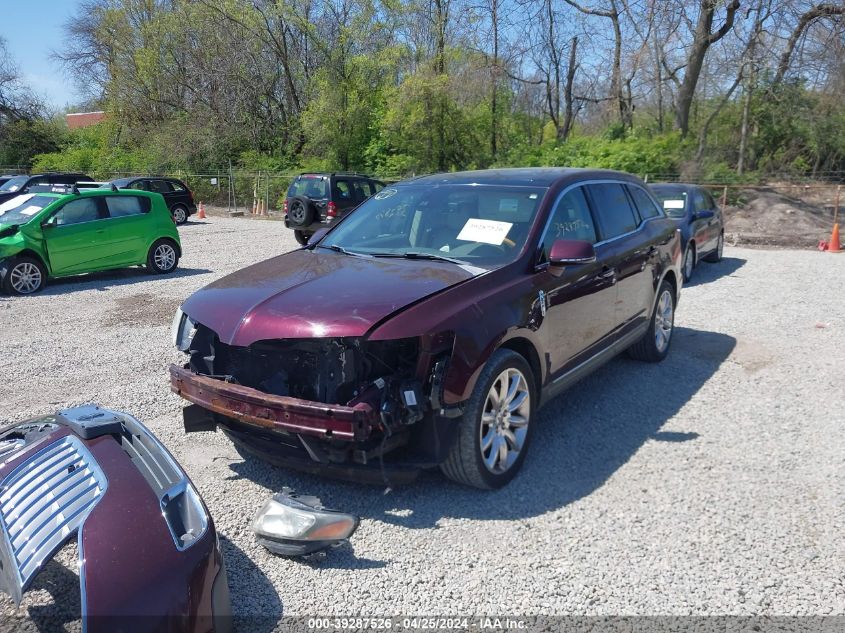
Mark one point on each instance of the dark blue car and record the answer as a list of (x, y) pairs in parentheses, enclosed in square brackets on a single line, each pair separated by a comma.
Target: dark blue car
[(698, 216)]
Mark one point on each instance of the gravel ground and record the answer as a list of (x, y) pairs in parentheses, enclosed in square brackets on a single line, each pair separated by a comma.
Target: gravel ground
[(709, 484)]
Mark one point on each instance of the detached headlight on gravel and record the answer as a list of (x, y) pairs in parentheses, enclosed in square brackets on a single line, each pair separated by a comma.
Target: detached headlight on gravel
[(182, 330), (295, 526)]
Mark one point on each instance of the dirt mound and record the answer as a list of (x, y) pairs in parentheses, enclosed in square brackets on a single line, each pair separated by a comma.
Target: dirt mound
[(764, 216)]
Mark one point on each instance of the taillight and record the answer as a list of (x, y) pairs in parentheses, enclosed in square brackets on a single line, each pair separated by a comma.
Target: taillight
[(332, 210), (286, 205)]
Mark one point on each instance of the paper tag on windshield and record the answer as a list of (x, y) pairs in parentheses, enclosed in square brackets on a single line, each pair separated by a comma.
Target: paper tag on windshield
[(486, 231), (673, 204), (31, 210)]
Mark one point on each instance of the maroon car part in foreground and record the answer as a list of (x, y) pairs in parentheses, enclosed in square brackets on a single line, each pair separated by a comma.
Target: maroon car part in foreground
[(428, 326), (149, 558)]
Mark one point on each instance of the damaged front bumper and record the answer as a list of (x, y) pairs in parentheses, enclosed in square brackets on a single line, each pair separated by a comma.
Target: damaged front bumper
[(281, 413), (147, 545)]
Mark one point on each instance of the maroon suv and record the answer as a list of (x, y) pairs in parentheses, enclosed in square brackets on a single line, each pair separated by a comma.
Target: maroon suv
[(429, 325)]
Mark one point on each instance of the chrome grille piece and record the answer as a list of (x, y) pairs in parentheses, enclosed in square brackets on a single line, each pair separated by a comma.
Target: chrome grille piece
[(45, 500)]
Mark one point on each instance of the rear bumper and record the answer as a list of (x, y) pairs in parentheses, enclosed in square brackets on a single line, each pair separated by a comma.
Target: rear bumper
[(274, 412)]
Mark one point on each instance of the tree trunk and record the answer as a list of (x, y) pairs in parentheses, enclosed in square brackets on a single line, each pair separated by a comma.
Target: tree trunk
[(569, 99), (703, 38)]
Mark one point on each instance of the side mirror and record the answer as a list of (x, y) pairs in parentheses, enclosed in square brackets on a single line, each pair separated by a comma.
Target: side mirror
[(568, 252), (704, 215), (49, 222), (317, 236)]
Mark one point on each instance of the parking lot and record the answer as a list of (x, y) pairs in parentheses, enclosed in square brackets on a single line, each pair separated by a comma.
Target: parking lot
[(709, 484)]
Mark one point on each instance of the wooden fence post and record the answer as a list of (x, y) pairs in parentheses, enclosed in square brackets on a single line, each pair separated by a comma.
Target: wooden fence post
[(725, 196)]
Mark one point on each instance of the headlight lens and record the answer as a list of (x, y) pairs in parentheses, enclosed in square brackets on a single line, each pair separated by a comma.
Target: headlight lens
[(295, 526), (182, 330)]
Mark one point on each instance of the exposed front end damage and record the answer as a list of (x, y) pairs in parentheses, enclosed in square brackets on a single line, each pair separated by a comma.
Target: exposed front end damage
[(342, 406), (147, 545)]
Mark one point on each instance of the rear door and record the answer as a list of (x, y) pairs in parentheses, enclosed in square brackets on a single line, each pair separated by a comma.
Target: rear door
[(76, 237), (579, 304), (128, 229), (627, 251)]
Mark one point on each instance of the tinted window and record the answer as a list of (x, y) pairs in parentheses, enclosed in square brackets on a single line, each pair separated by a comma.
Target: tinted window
[(121, 206), (571, 220), (645, 205), (376, 186), (176, 185), (614, 212), (314, 187), (363, 190), (77, 211), (139, 185), (159, 186), (343, 190), (711, 203)]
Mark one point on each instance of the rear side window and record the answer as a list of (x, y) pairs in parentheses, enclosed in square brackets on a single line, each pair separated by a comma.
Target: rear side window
[(122, 206), (645, 205), (343, 190), (78, 211), (176, 185), (314, 187), (139, 185), (363, 190), (615, 215), (571, 220), (159, 186)]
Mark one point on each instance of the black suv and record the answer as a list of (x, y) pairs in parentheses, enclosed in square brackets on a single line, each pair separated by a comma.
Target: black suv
[(316, 200), (38, 183), (179, 199)]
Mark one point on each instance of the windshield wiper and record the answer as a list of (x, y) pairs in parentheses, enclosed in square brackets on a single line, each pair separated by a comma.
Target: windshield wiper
[(340, 249), (430, 256)]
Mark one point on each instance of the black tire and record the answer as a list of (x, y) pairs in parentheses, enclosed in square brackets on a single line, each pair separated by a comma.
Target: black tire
[(23, 275), (300, 211), (163, 257), (301, 237), (647, 348), (465, 462), (716, 256), (688, 266), (180, 214)]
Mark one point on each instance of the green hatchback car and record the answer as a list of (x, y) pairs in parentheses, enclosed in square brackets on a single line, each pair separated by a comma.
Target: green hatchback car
[(47, 234)]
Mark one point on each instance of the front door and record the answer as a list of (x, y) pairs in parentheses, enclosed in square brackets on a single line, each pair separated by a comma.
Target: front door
[(580, 303), (75, 236)]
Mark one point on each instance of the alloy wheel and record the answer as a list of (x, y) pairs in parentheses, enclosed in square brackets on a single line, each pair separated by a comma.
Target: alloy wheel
[(164, 257), (25, 278), (504, 421), (179, 215), (664, 318)]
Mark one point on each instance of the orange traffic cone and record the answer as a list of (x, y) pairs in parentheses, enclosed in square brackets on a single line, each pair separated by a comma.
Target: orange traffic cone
[(201, 214), (833, 245)]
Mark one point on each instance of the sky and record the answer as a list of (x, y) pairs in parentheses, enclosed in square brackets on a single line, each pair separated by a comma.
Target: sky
[(32, 29)]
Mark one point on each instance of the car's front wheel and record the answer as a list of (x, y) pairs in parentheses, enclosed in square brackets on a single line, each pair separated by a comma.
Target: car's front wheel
[(163, 257), (180, 214), (24, 276), (495, 429), (654, 345)]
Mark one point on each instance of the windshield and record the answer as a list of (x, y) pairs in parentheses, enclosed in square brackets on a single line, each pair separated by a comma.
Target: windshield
[(14, 184), (310, 186), (21, 209), (672, 199), (482, 225)]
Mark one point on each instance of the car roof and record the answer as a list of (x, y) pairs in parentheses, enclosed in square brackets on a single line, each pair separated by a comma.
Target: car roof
[(675, 185), (517, 176)]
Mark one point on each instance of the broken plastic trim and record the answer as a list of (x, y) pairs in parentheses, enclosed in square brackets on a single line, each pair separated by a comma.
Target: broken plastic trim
[(292, 525)]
